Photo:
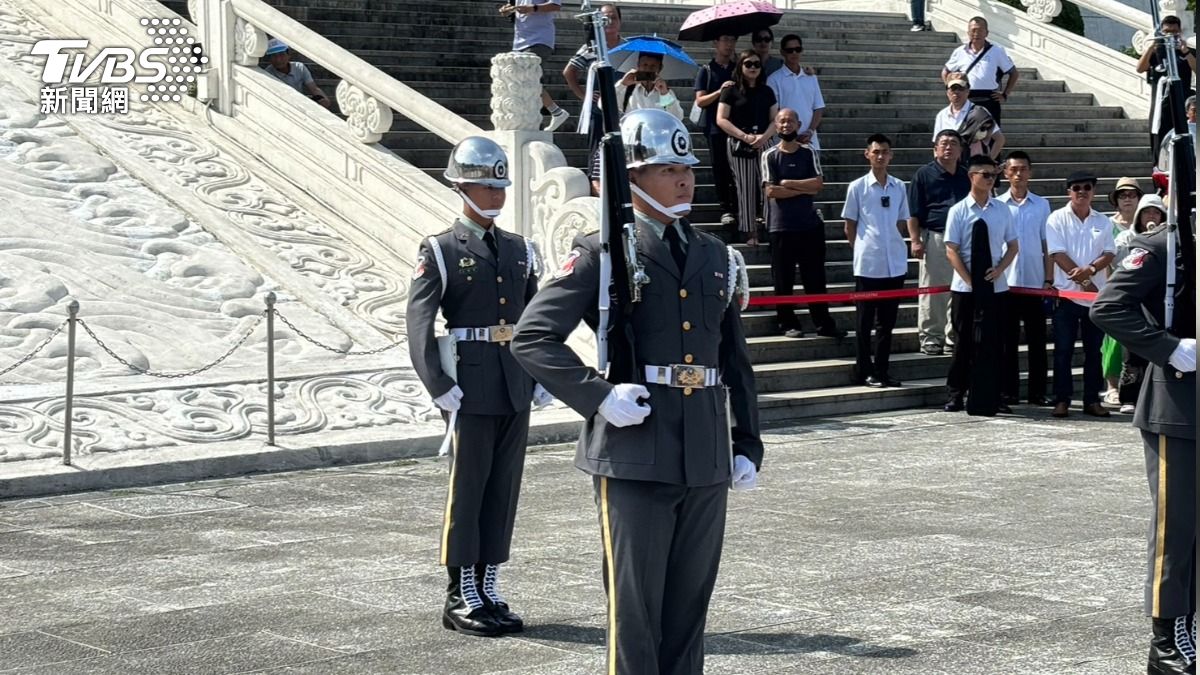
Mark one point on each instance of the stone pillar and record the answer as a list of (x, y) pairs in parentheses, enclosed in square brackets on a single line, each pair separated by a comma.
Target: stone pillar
[(517, 119)]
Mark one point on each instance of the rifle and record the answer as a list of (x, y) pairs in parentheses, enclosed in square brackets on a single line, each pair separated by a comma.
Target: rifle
[(621, 273), (1176, 157)]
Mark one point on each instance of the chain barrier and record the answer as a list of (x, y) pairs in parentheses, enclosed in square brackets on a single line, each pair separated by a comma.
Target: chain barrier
[(172, 376), (322, 345), (36, 350)]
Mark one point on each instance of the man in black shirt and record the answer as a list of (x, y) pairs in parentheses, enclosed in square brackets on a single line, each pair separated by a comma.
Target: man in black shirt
[(1151, 63), (792, 175), (711, 80), (935, 187)]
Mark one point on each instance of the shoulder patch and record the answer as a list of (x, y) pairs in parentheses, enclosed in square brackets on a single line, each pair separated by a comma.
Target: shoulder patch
[(419, 268), (1135, 259), (568, 266)]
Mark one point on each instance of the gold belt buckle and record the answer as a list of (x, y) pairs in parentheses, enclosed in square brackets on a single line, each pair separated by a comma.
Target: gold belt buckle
[(500, 333), (687, 376)]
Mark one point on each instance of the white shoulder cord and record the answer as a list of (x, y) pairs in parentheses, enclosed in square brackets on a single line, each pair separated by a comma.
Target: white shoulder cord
[(441, 261), (738, 279)]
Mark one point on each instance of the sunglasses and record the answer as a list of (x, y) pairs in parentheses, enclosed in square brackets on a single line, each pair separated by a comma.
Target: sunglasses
[(956, 87), (763, 38), (752, 64), (1127, 193), (1086, 187), (986, 175), (792, 50)]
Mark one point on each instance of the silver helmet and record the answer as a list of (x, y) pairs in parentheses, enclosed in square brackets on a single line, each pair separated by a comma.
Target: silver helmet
[(654, 136), (478, 160)]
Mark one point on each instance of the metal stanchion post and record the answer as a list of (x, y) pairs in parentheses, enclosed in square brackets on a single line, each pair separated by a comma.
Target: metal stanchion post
[(271, 368), (73, 310)]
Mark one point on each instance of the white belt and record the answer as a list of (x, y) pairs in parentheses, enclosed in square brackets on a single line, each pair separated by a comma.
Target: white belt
[(485, 334), (682, 375)]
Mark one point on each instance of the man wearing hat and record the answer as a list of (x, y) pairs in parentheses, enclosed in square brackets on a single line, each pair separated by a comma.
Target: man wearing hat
[(480, 277), (293, 73), (660, 449), (954, 115), (1132, 309), (1080, 242)]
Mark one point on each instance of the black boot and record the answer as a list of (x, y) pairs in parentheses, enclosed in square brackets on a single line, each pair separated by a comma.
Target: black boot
[(1173, 647), (489, 588), (465, 610)]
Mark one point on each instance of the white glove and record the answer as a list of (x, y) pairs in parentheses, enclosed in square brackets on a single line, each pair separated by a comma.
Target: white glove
[(1184, 356), (745, 477), (621, 407), (451, 400), (541, 397)]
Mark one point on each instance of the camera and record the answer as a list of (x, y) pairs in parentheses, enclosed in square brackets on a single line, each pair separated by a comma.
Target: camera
[(886, 201), (645, 77)]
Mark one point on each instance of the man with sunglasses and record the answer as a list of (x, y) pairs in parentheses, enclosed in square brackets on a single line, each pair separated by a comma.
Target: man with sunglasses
[(1079, 240), (762, 41), (978, 214), (955, 113), (796, 87)]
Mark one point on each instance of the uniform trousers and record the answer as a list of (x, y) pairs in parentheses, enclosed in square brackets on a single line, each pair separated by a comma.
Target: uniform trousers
[(868, 312), (933, 311), (1171, 550), (1071, 319), (1026, 311), (485, 481), (722, 173), (662, 548), (805, 248)]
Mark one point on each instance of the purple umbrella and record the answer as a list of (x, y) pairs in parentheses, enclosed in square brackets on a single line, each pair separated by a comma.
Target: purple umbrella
[(731, 18)]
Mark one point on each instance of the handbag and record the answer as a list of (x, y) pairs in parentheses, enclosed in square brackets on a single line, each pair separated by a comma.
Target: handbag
[(740, 148)]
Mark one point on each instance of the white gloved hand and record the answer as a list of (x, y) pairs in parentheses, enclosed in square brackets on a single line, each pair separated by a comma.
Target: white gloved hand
[(745, 477), (451, 400), (541, 397), (621, 407), (1184, 356)]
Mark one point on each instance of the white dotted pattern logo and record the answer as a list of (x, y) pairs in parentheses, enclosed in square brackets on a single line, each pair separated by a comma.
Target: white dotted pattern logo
[(185, 60)]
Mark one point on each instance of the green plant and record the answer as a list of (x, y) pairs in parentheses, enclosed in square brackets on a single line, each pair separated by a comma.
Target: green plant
[(1070, 19)]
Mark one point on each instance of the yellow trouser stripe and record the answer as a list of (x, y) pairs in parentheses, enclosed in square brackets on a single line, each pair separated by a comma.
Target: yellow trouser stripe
[(1160, 535), (449, 499), (612, 578)]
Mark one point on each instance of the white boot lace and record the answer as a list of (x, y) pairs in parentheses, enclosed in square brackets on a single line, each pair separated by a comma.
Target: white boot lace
[(491, 584), (1183, 638), (470, 593)]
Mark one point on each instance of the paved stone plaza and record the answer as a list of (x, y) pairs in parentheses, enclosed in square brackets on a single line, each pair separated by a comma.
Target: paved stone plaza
[(915, 542)]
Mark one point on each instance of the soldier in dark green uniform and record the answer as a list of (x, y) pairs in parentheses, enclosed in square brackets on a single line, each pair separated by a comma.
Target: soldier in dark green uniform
[(1130, 308), (659, 450), (480, 277)]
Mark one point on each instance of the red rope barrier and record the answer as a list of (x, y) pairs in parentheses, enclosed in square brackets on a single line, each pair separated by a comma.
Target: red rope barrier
[(900, 294)]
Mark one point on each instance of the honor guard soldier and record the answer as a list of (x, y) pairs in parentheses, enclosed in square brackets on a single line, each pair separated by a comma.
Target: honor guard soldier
[(660, 450), (480, 277), (1131, 308)]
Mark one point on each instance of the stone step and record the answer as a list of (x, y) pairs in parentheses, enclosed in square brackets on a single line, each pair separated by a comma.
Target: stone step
[(831, 401), (847, 173), (838, 161), (352, 36), (838, 372)]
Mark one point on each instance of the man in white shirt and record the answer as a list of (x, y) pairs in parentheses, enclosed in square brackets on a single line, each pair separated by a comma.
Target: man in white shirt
[(796, 88), (1079, 240), (533, 32), (876, 212), (1033, 269), (955, 113), (643, 88), (983, 63), (965, 221)]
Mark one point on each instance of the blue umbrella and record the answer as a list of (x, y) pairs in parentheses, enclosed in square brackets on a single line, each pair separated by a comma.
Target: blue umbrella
[(677, 65)]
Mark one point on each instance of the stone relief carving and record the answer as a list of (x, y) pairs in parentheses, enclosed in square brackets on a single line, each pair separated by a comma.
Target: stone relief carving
[(367, 118), (160, 419), (193, 7), (560, 197), (249, 43), (1043, 10), (516, 86)]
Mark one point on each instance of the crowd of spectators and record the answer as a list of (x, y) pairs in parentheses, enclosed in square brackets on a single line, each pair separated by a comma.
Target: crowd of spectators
[(760, 113)]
